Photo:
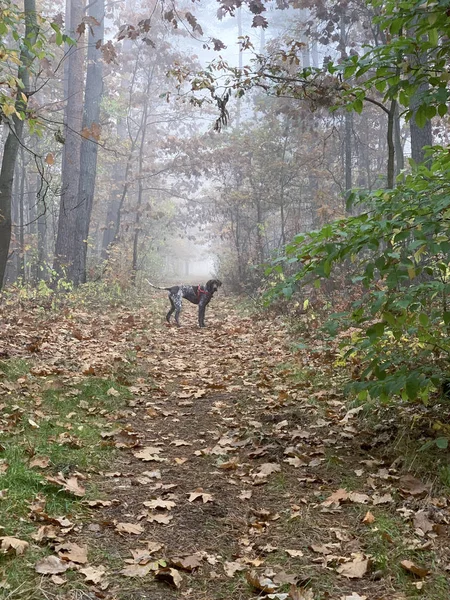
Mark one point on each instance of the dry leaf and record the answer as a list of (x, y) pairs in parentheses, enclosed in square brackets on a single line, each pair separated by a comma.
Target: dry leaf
[(267, 469), (40, 461), (231, 568), (354, 596), (57, 580), (133, 528), (294, 553), (296, 593), (200, 494), (170, 576), (95, 575), (162, 519), (137, 570), (413, 487), (11, 543), (69, 485), (408, 565), (159, 503), (51, 565), (261, 582), (356, 568), (422, 522), (245, 495), (150, 453), (369, 518), (188, 563), (72, 552)]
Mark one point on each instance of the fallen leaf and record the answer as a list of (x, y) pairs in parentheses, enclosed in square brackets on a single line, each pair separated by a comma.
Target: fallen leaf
[(170, 576), (422, 522), (159, 503), (413, 487), (162, 519), (137, 570), (69, 485), (411, 567), (57, 580), (51, 565), (356, 568), (296, 593), (95, 575), (200, 494), (369, 518), (72, 552), (245, 495), (261, 582), (40, 461), (133, 528), (11, 543), (294, 553), (188, 563), (231, 568), (150, 453)]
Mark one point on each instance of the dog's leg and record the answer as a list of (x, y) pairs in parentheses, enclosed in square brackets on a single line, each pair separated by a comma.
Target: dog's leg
[(201, 316), (172, 310), (178, 299)]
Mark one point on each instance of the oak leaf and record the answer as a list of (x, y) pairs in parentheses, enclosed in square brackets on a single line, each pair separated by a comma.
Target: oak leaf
[(133, 528), (356, 568)]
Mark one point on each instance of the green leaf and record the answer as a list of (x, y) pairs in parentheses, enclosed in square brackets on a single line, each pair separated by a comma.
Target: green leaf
[(442, 443)]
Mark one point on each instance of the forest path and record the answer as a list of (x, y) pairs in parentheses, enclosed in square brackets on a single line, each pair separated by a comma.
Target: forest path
[(237, 470)]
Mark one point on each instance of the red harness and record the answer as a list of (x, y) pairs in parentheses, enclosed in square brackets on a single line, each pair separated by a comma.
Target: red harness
[(200, 291)]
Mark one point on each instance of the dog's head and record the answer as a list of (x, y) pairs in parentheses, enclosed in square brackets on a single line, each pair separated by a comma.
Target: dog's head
[(213, 285)]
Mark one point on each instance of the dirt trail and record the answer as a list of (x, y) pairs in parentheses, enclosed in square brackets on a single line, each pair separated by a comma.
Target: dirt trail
[(240, 471)]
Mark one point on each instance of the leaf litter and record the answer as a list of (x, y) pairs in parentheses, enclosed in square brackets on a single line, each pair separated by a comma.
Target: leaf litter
[(230, 396)]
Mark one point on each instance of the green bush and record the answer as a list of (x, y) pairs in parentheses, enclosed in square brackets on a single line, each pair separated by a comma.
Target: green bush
[(397, 250)]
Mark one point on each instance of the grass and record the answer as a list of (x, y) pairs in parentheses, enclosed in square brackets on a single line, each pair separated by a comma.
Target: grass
[(64, 425)]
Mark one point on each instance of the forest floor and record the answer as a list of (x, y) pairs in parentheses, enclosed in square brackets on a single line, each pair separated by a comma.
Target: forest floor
[(144, 461)]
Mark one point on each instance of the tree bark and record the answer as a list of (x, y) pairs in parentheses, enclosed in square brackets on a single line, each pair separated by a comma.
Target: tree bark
[(89, 147), (66, 239), (14, 138)]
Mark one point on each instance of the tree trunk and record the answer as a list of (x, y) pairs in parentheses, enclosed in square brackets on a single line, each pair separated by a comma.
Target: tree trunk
[(89, 147), (420, 136), (66, 240), (14, 138)]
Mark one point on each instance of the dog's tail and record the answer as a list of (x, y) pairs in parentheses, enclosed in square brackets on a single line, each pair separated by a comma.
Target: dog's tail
[(156, 286)]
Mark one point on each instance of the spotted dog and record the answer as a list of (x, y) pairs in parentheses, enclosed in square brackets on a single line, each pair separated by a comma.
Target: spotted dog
[(197, 295)]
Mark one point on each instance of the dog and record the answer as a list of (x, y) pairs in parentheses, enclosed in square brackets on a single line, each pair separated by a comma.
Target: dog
[(197, 295)]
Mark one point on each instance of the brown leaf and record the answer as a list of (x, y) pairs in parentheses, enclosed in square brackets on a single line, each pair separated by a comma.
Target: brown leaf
[(51, 565), (170, 576), (413, 487), (150, 453), (422, 522), (231, 568), (50, 159), (294, 553), (188, 563), (199, 494), (72, 552), (162, 519), (133, 528), (356, 568), (369, 518), (267, 469), (260, 582), (409, 566), (40, 461), (159, 503), (296, 593), (138, 570), (11, 543), (95, 575), (69, 485)]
